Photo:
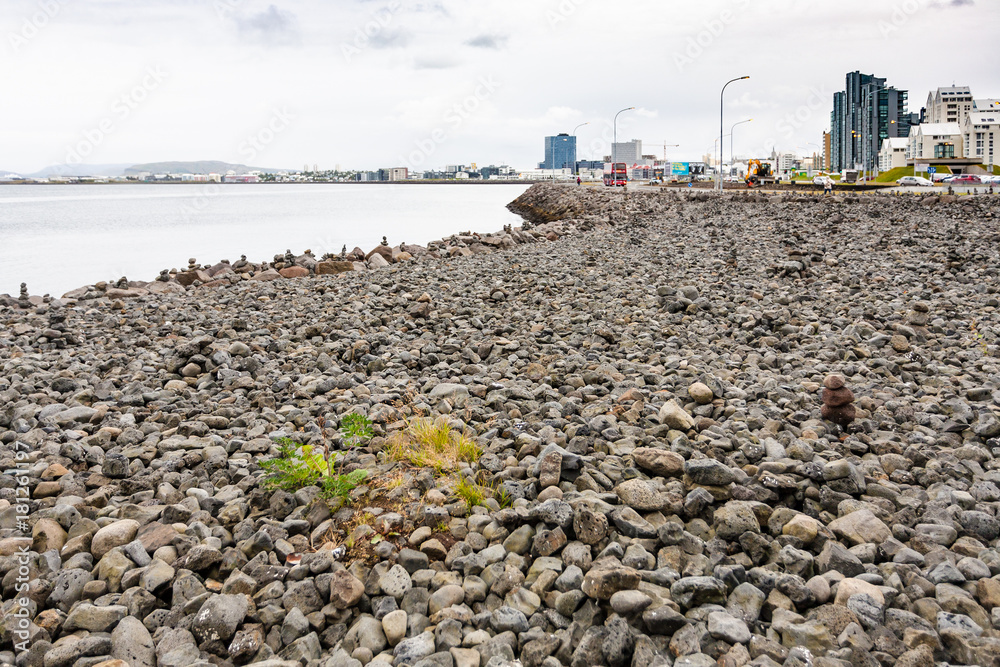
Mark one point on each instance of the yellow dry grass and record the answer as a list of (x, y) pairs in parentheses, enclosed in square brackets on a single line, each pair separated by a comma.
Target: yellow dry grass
[(428, 443)]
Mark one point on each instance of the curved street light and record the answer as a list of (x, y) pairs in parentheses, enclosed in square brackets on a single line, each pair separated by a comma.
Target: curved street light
[(615, 140), (721, 135), (732, 155), (575, 170)]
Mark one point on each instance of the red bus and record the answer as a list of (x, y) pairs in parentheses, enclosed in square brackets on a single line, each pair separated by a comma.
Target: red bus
[(618, 175)]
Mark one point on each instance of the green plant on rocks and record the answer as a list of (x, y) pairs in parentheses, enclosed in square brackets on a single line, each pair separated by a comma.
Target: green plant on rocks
[(355, 429), (297, 467)]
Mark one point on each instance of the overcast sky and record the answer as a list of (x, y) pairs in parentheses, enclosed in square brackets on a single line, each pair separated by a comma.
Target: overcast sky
[(373, 83)]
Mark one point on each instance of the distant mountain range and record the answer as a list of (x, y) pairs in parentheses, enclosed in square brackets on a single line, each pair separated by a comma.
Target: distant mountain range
[(113, 170), (198, 167), (79, 170)]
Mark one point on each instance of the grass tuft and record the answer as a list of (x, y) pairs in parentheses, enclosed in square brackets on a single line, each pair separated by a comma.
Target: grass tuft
[(433, 444), (471, 493)]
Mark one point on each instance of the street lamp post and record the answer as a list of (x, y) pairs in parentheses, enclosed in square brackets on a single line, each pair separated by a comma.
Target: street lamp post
[(732, 154), (721, 111), (575, 170), (615, 140)]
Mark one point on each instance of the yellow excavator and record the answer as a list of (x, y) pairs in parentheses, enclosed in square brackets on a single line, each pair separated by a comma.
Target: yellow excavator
[(759, 173)]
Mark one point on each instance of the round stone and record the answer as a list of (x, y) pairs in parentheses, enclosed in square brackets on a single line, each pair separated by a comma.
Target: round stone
[(700, 393)]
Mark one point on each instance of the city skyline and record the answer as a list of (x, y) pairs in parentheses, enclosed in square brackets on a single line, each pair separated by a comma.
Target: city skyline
[(370, 84)]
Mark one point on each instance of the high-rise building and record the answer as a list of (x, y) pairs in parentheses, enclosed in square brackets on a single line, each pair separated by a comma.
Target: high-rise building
[(560, 152), (629, 152), (866, 113), (838, 144), (827, 152)]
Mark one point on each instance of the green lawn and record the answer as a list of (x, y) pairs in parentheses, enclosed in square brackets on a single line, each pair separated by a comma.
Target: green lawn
[(894, 175), (799, 179)]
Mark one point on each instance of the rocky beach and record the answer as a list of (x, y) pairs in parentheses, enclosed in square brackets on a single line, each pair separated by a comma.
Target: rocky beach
[(689, 430)]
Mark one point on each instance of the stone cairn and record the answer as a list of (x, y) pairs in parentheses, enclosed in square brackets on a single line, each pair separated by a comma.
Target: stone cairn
[(837, 401), (192, 264), (22, 299), (164, 276)]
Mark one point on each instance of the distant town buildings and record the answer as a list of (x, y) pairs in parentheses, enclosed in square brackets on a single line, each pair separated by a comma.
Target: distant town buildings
[(959, 131), (560, 152), (871, 128), (866, 113)]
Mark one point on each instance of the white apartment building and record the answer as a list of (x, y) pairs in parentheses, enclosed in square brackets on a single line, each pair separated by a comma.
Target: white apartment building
[(987, 105), (785, 162), (931, 141), (893, 153), (980, 135), (948, 105)]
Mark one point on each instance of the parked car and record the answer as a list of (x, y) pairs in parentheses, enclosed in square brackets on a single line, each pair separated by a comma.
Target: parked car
[(965, 179), (913, 180), (988, 179), (822, 180), (942, 178)]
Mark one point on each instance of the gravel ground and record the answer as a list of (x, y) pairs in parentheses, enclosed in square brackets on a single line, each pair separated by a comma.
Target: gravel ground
[(741, 430)]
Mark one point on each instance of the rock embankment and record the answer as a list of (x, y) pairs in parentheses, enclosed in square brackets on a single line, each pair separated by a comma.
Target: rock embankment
[(738, 430)]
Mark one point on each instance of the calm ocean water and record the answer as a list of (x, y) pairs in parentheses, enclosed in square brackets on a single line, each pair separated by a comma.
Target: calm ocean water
[(59, 237)]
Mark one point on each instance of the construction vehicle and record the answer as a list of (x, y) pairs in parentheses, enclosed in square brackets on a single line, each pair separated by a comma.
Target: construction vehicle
[(759, 173)]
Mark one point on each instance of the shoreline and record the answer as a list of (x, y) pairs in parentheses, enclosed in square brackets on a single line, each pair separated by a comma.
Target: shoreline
[(283, 266), (460, 244)]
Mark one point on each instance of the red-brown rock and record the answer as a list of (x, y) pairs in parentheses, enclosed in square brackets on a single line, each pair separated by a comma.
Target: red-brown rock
[(837, 397), (833, 381), (383, 250), (294, 272), (333, 267)]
